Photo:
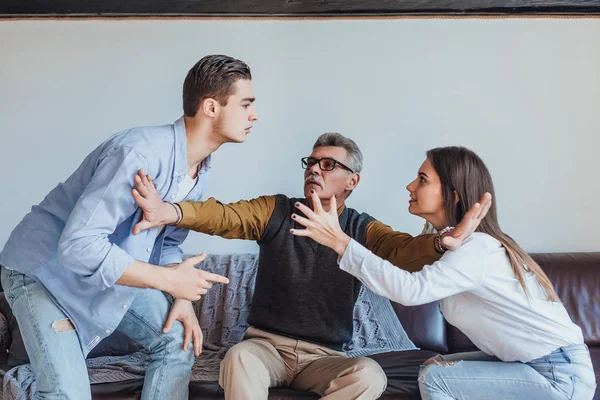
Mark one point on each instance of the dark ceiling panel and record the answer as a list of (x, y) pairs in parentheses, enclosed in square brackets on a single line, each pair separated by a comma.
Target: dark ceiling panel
[(94, 8)]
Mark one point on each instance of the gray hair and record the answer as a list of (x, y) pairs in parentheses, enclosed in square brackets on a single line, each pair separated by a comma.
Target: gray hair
[(355, 157)]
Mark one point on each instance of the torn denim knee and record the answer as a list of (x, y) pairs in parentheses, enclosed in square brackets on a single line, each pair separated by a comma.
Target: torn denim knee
[(63, 325)]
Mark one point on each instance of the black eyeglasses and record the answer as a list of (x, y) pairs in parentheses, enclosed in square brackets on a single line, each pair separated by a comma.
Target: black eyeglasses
[(326, 163)]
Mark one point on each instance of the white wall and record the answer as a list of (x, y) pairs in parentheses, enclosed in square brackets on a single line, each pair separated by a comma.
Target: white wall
[(524, 94)]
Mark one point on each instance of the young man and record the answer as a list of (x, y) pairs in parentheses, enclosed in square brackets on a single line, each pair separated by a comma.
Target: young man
[(73, 272), (301, 314)]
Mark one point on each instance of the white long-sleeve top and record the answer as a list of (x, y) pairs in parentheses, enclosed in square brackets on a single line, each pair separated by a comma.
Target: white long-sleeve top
[(479, 294)]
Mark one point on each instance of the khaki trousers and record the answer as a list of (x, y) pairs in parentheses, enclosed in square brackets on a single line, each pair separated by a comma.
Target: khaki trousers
[(263, 360)]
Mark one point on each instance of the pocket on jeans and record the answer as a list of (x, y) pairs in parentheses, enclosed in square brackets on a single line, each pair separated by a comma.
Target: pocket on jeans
[(582, 389), (544, 368)]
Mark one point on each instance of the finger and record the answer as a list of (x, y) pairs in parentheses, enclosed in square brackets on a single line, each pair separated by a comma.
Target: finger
[(148, 182), (141, 226), (197, 341), (305, 210), (300, 232), (201, 292), (203, 287), (170, 319), (139, 185), (472, 213), (195, 260), (139, 198), (145, 181), (188, 328), (333, 203), (316, 201), (301, 220), (200, 340), (209, 276), (486, 204), (468, 224)]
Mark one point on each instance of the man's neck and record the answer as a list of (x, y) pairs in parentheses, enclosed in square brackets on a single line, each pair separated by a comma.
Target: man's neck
[(200, 143), (326, 204)]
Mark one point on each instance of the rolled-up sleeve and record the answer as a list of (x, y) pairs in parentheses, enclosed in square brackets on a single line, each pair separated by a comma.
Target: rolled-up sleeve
[(84, 246)]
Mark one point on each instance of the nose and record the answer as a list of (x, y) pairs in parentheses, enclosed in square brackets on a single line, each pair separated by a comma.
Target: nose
[(253, 115), (315, 169), (410, 186)]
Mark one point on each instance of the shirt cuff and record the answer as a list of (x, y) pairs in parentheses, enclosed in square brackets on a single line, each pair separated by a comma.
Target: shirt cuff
[(353, 257), (189, 213), (171, 255)]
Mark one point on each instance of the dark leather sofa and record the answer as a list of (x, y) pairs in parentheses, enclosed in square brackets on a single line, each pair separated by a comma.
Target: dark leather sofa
[(576, 277)]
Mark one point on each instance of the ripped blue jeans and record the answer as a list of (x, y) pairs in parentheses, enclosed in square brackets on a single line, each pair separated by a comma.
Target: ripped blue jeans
[(56, 356), (565, 374)]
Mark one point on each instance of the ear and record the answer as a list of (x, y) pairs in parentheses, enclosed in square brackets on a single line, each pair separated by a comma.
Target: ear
[(456, 198), (209, 107), (353, 181)]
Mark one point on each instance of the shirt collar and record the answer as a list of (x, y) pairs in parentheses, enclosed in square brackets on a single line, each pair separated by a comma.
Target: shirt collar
[(181, 166)]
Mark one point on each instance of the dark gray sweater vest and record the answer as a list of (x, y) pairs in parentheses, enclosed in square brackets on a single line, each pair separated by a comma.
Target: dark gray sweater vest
[(300, 291)]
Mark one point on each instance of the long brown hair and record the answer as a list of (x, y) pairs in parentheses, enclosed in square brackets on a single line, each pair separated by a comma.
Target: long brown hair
[(462, 171)]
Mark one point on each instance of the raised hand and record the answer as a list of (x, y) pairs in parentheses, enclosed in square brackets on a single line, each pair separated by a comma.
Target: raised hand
[(156, 211), (454, 239), (321, 226)]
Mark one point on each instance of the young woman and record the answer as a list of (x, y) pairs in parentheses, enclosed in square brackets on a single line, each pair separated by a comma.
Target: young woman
[(489, 288)]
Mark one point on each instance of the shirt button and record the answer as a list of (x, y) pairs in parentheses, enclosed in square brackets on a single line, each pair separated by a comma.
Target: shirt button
[(124, 306), (107, 331), (172, 196), (149, 249)]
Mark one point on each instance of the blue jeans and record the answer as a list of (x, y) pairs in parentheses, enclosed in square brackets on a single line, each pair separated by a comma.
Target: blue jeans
[(565, 374), (56, 356)]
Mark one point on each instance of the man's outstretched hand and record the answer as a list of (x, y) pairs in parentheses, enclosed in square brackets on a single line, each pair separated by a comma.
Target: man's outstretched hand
[(156, 211), (185, 281), (454, 239)]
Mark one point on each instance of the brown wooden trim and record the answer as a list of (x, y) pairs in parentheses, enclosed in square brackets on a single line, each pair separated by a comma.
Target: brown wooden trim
[(297, 18), (278, 8)]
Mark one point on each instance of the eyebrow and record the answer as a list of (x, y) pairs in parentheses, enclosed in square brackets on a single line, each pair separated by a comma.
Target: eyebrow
[(250, 99), (423, 174)]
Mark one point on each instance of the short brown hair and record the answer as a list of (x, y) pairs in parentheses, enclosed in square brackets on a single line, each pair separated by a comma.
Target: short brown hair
[(212, 76)]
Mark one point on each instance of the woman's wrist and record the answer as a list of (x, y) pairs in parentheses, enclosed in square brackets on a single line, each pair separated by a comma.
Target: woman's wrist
[(341, 243)]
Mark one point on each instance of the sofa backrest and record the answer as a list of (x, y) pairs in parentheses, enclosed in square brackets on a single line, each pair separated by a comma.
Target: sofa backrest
[(576, 279), (424, 325)]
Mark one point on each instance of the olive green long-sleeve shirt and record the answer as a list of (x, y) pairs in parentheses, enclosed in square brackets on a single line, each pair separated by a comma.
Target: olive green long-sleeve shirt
[(247, 219)]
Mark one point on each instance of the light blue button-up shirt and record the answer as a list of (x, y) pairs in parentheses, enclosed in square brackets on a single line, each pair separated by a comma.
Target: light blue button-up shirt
[(77, 242)]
